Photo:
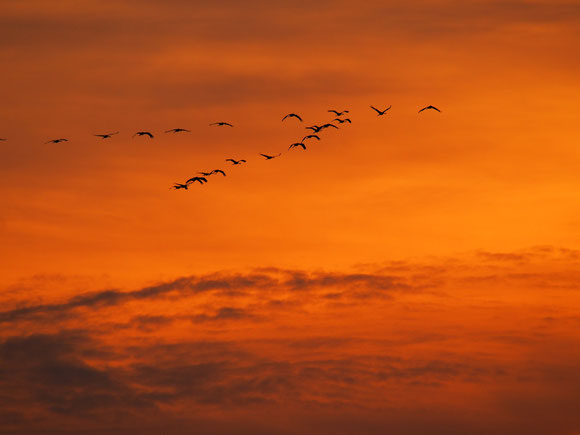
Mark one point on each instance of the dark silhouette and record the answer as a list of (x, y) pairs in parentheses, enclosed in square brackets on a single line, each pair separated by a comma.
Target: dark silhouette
[(219, 124), (206, 174), (200, 180), (297, 144), (314, 128), (106, 136), (218, 171), (57, 141), (380, 112), (177, 186), (292, 115), (2, 138), (337, 113), (178, 130), (270, 157), (328, 125), (143, 133), (340, 121), (429, 107), (236, 162), (310, 136)]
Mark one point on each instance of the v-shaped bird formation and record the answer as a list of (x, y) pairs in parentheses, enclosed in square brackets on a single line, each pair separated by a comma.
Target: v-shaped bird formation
[(202, 178)]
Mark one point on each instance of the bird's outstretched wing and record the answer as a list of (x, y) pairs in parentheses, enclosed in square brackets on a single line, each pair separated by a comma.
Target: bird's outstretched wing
[(376, 110)]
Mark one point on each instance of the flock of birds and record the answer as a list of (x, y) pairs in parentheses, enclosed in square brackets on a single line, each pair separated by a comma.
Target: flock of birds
[(201, 178)]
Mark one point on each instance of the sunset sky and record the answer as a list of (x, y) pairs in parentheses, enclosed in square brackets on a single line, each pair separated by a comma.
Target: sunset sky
[(406, 274)]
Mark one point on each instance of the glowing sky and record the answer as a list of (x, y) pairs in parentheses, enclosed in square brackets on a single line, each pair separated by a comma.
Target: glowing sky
[(410, 273)]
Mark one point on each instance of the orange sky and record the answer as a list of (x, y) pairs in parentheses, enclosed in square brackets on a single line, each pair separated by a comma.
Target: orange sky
[(411, 273)]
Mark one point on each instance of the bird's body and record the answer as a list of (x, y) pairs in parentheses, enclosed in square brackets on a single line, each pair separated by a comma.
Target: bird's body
[(177, 186), (322, 127), (341, 121), (143, 133), (178, 130), (205, 174), (429, 108), (337, 113), (380, 112), (314, 128), (200, 180), (292, 115), (310, 136), (106, 136), (57, 141), (221, 124), (218, 171), (267, 157), (236, 162), (297, 144)]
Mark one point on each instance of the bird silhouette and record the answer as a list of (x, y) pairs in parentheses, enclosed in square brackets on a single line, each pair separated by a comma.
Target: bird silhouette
[(292, 115), (206, 174), (57, 141), (143, 133), (178, 130), (219, 124), (380, 112), (270, 157), (429, 107), (314, 128), (328, 125), (310, 136), (218, 171), (337, 113), (106, 136), (2, 138), (200, 180), (236, 162), (177, 186), (343, 120), (297, 144)]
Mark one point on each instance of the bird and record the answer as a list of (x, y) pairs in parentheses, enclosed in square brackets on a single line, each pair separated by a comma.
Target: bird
[(337, 113), (57, 141), (2, 138), (143, 133), (218, 171), (106, 136), (310, 136), (200, 180), (429, 107), (380, 112), (328, 125), (343, 120), (178, 130), (270, 157), (221, 124), (236, 162), (292, 115), (297, 144), (179, 186), (206, 174), (314, 128)]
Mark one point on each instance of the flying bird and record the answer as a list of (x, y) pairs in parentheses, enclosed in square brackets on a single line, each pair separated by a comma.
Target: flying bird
[(310, 136), (218, 171), (177, 186), (337, 113), (106, 136), (380, 112), (314, 128), (178, 130), (292, 115), (270, 157), (206, 174), (236, 162), (343, 120), (328, 125), (200, 180), (143, 133), (297, 144), (2, 138), (219, 124), (57, 141), (429, 107)]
